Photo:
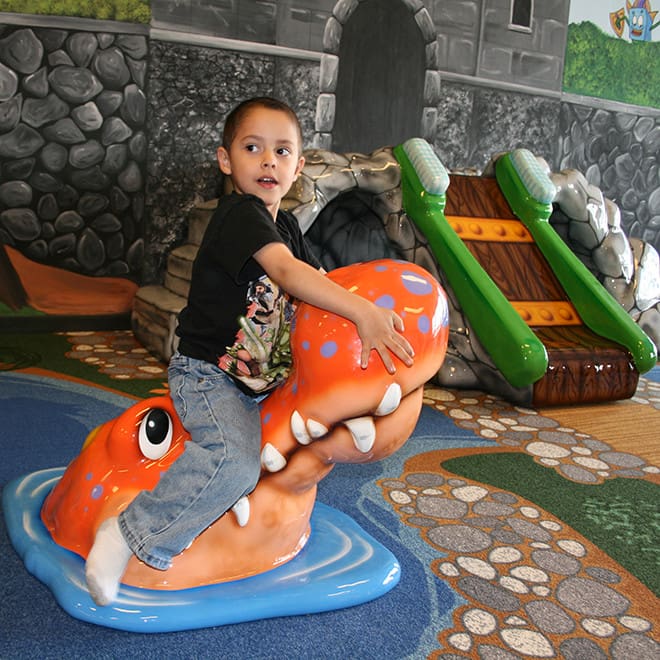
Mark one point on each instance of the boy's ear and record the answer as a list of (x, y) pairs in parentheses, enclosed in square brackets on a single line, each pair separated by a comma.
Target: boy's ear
[(301, 164), (223, 160)]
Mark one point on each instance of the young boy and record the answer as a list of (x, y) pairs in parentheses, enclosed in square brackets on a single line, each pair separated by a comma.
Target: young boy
[(251, 254)]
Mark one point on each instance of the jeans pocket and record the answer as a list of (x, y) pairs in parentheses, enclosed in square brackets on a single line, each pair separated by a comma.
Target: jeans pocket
[(177, 363), (178, 398), (208, 376), (177, 374)]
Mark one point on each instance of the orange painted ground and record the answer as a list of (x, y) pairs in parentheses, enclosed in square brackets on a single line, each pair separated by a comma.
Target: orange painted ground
[(57, 291)]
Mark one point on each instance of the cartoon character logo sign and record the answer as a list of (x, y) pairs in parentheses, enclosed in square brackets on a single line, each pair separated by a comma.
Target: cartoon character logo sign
[(639, 19)]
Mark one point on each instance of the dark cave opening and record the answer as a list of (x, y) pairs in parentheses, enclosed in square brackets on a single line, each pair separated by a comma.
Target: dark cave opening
[(348, 231)]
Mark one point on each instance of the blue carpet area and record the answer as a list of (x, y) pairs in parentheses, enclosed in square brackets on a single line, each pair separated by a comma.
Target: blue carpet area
[(44, 425)]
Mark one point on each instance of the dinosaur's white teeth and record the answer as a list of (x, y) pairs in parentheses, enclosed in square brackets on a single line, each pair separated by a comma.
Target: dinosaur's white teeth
[(298, 429), (390, 401), (363, 431), (316, 429), (242, 511), (271, 459)]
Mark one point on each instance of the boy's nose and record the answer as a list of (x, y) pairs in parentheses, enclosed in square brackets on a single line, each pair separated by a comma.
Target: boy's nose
[(268, 159)]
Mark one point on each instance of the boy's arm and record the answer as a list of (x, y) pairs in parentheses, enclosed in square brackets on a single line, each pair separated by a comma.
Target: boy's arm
[(378, 328)]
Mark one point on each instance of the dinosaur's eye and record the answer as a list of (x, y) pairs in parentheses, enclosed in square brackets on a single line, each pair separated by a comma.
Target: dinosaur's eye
[(155, 434)]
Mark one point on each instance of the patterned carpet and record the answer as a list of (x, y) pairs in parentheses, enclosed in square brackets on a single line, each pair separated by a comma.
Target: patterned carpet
[(515, 562), (536, 532)]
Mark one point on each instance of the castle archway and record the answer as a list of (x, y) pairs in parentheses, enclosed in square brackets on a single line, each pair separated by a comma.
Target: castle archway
[(371, 48)]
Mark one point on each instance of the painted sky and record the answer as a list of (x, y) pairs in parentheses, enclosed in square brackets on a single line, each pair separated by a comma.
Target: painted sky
[(598, 12)]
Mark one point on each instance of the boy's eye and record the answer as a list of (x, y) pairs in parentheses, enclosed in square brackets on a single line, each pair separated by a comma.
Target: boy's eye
[(251, 147), (283, 151)]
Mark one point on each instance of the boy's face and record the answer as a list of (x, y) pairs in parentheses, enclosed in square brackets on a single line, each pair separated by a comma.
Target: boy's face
[(264, 157)]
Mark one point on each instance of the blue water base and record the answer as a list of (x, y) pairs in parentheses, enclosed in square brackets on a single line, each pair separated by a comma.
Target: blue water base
[(341, 566)]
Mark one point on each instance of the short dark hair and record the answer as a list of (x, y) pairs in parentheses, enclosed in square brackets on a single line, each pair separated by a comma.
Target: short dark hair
[(237, 115)]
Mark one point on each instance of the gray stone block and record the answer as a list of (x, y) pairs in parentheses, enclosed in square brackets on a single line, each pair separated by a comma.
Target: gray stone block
[(154, 318), (178, 285), (180, 261), (198, 220)]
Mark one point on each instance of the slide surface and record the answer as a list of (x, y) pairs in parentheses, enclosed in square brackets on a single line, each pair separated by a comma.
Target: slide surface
[(534, 306)]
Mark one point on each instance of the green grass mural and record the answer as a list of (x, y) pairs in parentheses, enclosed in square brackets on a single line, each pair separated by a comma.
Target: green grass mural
[(610, 68), (131, 11)]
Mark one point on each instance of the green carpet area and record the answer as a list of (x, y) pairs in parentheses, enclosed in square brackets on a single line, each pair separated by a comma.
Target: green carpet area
[(6, 312), (48, 351), (618, 515)]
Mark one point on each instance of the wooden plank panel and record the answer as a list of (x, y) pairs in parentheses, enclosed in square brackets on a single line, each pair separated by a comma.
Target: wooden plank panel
[(518, 269), (479, 197)]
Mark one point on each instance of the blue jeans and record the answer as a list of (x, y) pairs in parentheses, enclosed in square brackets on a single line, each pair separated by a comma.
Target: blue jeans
[(219, 465)]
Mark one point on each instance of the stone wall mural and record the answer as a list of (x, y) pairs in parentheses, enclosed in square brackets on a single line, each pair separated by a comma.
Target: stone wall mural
[(191, 90), (108, 130), (73, 151)]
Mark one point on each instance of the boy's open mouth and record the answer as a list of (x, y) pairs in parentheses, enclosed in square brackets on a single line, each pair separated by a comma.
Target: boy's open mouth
[(267, 180)]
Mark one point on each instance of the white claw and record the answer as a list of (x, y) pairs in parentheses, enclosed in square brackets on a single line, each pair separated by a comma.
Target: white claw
[(298, 428), (271, 459), (363, 431), (390, 401), (242, 511), (316, 429)]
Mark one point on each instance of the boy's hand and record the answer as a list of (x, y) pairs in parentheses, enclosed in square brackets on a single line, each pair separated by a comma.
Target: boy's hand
[(379, 329)]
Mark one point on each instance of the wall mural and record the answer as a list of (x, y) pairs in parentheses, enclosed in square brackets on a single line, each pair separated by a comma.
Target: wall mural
[(77, 232), (72, 169), (130, 11), (613, 51), (639, 19)]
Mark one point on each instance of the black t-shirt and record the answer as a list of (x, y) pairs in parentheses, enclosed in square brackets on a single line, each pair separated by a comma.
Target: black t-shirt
[(236, 316)]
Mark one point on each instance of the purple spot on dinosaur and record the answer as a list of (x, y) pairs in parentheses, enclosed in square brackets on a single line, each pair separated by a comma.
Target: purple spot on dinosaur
[(328, 349), (424, 324), (417, 285), (385, 301)]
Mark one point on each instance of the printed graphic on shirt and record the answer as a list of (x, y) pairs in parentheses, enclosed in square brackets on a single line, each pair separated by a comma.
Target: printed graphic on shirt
[(261, 354)]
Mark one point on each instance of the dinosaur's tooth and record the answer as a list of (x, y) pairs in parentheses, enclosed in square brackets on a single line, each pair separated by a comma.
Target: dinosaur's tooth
[(271, 459), (363, 431), (298, 428), (316, 429), (390, 401), (242, 511)]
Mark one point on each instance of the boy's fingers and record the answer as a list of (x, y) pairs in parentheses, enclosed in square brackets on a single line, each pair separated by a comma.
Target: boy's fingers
[(403, 350), (364, 356), (387, 360), (407, 347), (400, 347), (384, 354), (398, 322)]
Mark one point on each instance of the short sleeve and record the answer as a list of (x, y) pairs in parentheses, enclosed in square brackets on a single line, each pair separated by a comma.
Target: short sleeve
[(245, 229), (294, 237)]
